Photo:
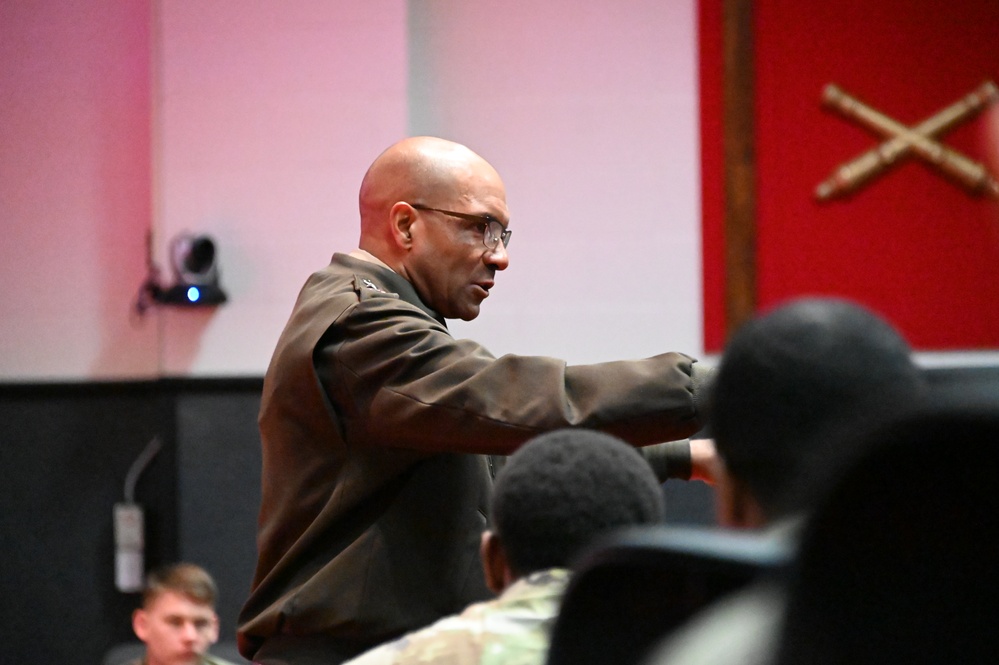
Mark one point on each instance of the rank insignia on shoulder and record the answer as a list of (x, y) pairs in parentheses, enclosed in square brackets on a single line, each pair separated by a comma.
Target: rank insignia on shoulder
[(367, 288)]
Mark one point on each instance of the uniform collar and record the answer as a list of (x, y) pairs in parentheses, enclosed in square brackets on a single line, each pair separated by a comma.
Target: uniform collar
[(365, 255)]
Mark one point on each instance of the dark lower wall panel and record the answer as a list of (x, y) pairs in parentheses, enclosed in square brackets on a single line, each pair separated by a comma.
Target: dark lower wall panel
[(219, 492), (64, 453)]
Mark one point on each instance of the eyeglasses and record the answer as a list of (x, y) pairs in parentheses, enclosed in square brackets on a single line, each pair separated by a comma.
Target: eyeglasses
[(492, 233)]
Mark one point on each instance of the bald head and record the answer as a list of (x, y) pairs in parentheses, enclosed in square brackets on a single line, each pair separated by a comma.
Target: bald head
[(423, 169), (426, 206)]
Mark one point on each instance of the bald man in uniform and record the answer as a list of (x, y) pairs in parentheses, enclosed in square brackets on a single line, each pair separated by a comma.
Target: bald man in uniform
[(377, 425)]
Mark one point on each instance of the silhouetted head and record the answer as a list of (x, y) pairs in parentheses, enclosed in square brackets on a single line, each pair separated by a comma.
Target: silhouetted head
[(789, 376)]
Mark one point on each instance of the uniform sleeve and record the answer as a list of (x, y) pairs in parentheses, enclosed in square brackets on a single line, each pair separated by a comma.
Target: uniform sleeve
[(670, 460), (395, 375)]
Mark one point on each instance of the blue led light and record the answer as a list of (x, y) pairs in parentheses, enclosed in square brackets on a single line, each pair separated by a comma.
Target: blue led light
[(193, 294)]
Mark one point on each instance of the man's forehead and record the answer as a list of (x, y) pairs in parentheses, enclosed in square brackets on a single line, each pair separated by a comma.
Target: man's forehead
[(488, 196), (171, 602)]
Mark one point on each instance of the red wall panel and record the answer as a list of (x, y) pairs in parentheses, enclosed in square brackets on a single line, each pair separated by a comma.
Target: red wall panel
[(712, 173), (911, 245)]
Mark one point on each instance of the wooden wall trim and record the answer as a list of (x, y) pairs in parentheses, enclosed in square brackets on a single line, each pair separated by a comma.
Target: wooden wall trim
[(739, 163)]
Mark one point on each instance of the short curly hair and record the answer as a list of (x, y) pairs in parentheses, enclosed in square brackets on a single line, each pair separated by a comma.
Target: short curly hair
[(563, 488)]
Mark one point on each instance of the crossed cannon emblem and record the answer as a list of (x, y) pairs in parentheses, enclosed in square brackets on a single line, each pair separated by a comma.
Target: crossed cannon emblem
[(901, 141)]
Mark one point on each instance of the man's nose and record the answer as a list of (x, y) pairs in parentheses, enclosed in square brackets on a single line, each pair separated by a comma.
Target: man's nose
[(498, 257), (189, 631)]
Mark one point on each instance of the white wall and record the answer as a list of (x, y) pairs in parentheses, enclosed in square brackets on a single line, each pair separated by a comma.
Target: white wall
[(589, 109), (253, 121)]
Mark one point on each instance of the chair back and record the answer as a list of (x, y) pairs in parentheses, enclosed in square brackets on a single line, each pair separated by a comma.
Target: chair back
[(900, 562), (631, 589)]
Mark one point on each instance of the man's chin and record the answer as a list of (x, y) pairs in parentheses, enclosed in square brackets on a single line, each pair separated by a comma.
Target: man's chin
[(467, 311), (189, 659)]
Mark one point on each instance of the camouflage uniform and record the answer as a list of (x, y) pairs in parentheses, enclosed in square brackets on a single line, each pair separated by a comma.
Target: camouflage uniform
[(513, 629)]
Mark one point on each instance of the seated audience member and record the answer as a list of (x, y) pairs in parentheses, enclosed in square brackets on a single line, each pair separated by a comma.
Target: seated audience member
[(797, 390), (553, 496), (177, 620), (785, 379)]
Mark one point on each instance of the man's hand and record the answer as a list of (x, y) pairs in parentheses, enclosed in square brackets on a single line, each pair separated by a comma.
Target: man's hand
[(705, 464)]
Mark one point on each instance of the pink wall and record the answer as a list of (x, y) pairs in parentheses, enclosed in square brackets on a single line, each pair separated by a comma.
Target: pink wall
[(249, 121), (74, 188), (266, 116)]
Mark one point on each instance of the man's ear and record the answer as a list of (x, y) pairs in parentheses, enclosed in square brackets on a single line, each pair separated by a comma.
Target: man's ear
[(401, 218), (140, 624), (494, 562), (736, 507), (215, 628)]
